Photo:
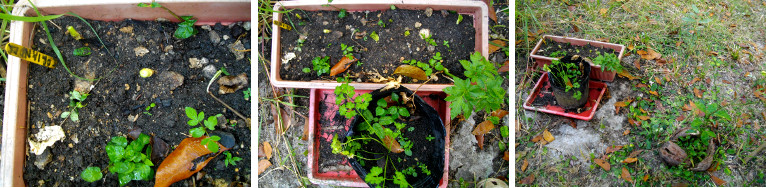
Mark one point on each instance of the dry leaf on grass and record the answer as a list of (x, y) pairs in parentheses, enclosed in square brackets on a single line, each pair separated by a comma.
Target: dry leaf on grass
[(267, 149), (493, 48), (537, 138), (504, 68), (524, 166), (505, 156), (639, 85), (635, 153), (680, 118), (284, 118), (637, 63), (646, 177), (654, 93), (716, 180), (621, 104), (548, 136), (629, 160), (603, 164), (649, 54), (492, 14), (263, 165), (411, 71), (626, 74), (392, 144), (626, 132), (342, 65), (611, 149), (643, 117), (626, 175), (528, 180), (697, 93), (657, 79), (306, 125)]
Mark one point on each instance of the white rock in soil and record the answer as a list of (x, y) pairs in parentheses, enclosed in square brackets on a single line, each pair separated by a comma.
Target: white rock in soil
[(209, 71), (424, 32), (197, 63), (206, 27), (431, 48), (214, 37), (140, 51), (46, 137), (429, 11), (246, 26), (43, 159), (418, 24), (287, 57), (226, 37), (237, 48)]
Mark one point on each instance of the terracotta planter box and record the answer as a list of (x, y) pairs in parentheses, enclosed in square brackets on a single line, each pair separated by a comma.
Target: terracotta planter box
[(317, 131), (14, 139), (596, 72), (475, 8)]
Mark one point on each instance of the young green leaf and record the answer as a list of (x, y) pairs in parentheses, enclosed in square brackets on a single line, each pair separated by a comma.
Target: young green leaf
[(197, 132), (401, 180), (375, 36), (374, 176), (91, 174), (211, 122)]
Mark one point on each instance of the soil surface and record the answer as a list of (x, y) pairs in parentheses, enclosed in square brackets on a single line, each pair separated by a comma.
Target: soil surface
[(380, 57), (549, 47), (118, 99)]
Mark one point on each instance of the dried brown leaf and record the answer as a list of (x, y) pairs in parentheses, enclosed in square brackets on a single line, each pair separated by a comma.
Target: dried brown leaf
[(694, 81), (480, 140), (641, 85), (342, 65), (492, 14), (504, 67), (493, 48), (626, 175), (505, 156), (483, 128), (680, 118), (411, 71), (528, 180), (719, 182), (548, 136), (646, 177), (654, 93), (643, 117), (263, 165), (626, 74), (635, 153), (649, 54), (611, 149), (630, 160), (637, 63), (392, 144), (537, 138), (499, 113), (626, 132), (524, 166), (657, 79), (697, 93), (282, 119), (603, 164), (267, 149)]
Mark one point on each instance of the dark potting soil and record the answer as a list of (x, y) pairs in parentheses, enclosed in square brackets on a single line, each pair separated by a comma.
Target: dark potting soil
[(120, 96), (377, 57), (423, 150), (549, 47), (328, 161)]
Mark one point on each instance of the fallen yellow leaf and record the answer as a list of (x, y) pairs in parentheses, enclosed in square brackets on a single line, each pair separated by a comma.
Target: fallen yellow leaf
[(483, 128), (411, 71), (643, 117), (263, 165), (548, 136), (649, 54), (626, 175), (267, 149), (629, 160), (716, 180), (493, 48), (626, 74), (602, 12), (603, 164), (524, 166)]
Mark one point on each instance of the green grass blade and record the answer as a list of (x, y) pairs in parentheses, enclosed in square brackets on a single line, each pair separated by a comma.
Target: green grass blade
[(53, 44), (5, 16)]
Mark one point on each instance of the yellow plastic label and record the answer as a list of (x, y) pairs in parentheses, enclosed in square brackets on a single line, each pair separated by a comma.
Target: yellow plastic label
[(282, 25), (30, 55)]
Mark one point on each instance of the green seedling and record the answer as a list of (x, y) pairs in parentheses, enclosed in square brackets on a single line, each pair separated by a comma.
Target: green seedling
[(230, 160), (223, 70), (130, 161), (299, 45), (429, 40), (342, 13), (76, 100), (247, 94), (374, 36), (407, 33), (72, 32), (149, 108), (381, 23), (445, 43), (393, 7), (185, 28), (466, 97), (145, 73), (91, 174), (321, 65), (607, 61), (566, 73), (347, 50), (435, 63), (559, 54), (82, 51), (209, 125), (459, 18)]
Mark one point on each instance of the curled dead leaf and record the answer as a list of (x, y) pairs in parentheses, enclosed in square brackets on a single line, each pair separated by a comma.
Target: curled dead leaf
[(282, 119), (537, 138), (267, 149), (548, 136), (505, 156), (493, 48), (524, 166), (697, 93), (630, 160), (499, 113), (611, 149), (392, 144), (230, 84), (646, 177), (263, 165), (603, 164), (480, 140), (657, 80), (649, 54), (528, 180), (626, 175), (189, 157), (643, 117), (342, 65), (680, 118), (626, 74), (641, 85), (504, 68), (654, 93), (483, 128), (626, 132), (637, 63), (411, 71), (716, 180)]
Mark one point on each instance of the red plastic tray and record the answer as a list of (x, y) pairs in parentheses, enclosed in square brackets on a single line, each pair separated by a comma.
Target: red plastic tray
[(597, 90), (318, 131)]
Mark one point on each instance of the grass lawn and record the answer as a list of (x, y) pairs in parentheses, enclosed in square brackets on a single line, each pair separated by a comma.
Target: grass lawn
[(710, 76)]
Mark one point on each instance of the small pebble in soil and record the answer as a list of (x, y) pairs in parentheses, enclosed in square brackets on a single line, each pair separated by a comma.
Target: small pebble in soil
[(445, 13), (197, 63), (168, 48), (287, 57), (43, 159), (226, 37), (246, 26), (128, 29), (140, 51), (418, 24), (166, 102), (431, 48), (209, 71), (237, 48), (214, 37), (337, 34), (429, 11)]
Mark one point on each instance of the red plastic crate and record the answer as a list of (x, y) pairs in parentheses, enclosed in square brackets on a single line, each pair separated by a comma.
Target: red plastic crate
[(597, 90), (317, 131)]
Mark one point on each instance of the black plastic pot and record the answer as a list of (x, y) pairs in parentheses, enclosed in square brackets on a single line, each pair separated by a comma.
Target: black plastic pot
[(434, 126), (565, 98)]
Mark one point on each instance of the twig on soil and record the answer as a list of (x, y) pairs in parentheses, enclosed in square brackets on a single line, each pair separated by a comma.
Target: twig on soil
[(754, 153), (220, 101)]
